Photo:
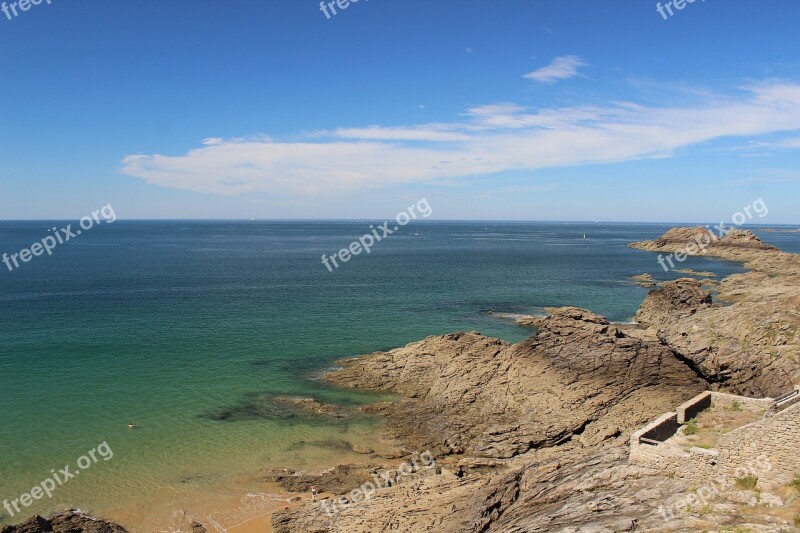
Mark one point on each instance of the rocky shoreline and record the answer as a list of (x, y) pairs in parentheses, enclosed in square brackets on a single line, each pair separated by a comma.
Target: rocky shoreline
[(533, 436)]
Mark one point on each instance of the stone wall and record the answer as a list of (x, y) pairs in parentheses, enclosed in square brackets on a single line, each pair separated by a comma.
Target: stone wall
[(694, 407), (727, 401), (775, 437), (677, 462), (660, 429), (767, 448)]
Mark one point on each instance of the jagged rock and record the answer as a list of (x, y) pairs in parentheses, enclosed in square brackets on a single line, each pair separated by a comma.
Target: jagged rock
[(745, 239), (680, 297), (66, 522), (393, 454), (748, 348), (474, 395), (751, 347)]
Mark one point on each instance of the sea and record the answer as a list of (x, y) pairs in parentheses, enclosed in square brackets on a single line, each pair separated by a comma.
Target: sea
[(196, 332)]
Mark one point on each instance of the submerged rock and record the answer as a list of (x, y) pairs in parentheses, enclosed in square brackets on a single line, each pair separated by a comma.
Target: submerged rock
[(644, 280), (281, 407)]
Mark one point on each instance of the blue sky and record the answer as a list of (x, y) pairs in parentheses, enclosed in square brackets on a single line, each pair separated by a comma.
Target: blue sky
[(513, 110)]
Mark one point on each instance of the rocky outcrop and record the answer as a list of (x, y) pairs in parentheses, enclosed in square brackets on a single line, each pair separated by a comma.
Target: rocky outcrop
[(682, 297), (579, 384), (469, 394), (736, 245), (67, 522), (750, 347), (694, 240)]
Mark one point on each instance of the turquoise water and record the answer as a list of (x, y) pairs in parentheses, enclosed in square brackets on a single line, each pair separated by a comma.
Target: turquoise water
[(190, 329)]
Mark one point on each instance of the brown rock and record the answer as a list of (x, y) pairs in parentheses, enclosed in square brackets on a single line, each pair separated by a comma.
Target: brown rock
[(474, 395), (66, 522), (680, 297), (750, 347)]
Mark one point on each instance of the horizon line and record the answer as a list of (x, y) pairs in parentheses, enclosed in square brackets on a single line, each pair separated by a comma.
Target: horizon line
[(369, 219)]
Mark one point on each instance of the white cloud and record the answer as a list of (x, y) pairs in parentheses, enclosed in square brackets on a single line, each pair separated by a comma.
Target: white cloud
[(486, 140), (790, 143), (561, 68), (378, 133), (768, 148)]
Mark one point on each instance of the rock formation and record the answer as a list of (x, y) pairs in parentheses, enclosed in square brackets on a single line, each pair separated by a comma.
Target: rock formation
[(750, 347), (67, 522), (469, 394), (682, 297)]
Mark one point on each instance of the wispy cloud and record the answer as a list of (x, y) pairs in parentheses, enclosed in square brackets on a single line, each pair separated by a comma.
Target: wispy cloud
[(486, 140), (767, 148), (377, 133), (770, 176), (790, 143), (787, 144), (562, 68)]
